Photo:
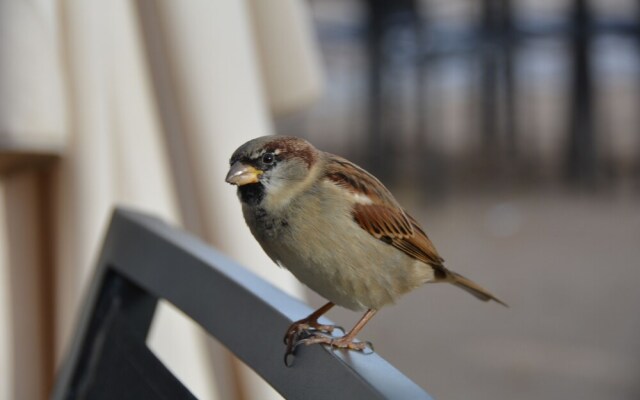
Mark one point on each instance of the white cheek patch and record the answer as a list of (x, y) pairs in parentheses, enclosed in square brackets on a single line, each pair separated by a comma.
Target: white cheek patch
[(274, 186), (362, 198)]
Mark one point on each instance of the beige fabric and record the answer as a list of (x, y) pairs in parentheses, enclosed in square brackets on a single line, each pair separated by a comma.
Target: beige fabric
[(84, 187), (221, 102), (115, 155), (288, 54), (126, 136), (221, 105), (32, 124), (32, 110)]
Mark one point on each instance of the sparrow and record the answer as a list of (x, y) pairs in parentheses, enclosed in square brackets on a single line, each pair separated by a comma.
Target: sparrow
[(338, 229)]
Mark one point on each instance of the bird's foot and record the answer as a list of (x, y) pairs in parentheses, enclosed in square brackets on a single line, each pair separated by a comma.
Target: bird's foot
[(308, 327), (301, 330), (345, 342)]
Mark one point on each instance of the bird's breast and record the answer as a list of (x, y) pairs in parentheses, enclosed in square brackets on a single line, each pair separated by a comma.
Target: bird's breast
[(320, 243), (267, 228)]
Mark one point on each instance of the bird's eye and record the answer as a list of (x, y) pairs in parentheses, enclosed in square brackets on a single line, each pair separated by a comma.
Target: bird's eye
[(267, 158)]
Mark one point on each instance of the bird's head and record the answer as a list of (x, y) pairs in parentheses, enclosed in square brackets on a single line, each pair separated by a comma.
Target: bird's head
[(271, 166)]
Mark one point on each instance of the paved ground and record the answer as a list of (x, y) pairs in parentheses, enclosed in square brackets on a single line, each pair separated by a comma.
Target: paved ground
[(569, 267)]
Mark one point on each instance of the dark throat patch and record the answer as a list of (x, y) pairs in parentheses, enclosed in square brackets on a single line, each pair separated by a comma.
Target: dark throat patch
[(251, 194)]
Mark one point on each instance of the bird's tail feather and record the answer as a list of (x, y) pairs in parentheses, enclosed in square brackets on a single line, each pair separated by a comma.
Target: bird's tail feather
[(473, 288)]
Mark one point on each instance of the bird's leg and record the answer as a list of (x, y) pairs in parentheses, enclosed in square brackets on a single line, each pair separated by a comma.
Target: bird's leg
[(346, 341), (309, 323)]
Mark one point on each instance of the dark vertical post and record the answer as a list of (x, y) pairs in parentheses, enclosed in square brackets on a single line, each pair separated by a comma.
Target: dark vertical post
[(636, 27), (581, 151), (498, 97), (427, 153), (489, 79), (509, 41), (391, 33), (376, 69)]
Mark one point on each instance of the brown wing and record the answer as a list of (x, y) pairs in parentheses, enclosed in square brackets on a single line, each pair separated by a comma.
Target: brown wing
[(419, 245), (382, 217)]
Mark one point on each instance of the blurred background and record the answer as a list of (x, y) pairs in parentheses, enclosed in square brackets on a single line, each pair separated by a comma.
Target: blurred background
[(511, 130), (508, 128)]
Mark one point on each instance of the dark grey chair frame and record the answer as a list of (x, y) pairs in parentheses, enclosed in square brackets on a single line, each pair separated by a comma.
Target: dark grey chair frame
[(143, 260)]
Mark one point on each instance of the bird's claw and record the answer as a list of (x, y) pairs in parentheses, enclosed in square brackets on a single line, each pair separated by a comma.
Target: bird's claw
[(309, 337), (289, 356), (294, 341), (309, 327)]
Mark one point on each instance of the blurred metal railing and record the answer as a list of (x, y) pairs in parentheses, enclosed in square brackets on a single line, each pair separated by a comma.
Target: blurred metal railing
[(408, 47), (144, 260)]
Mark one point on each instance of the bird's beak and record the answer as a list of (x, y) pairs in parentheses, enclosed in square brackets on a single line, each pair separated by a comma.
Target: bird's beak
[(242, 174)]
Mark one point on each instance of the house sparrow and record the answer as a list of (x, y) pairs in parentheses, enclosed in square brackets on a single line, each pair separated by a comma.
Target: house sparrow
[(337, 229)]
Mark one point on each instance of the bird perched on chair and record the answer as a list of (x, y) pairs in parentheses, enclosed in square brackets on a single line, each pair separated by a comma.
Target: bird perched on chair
[(337, 229)]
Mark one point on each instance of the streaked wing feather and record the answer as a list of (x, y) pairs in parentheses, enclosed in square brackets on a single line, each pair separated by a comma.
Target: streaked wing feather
[(383, 218), (419, 245), (382, 221)]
